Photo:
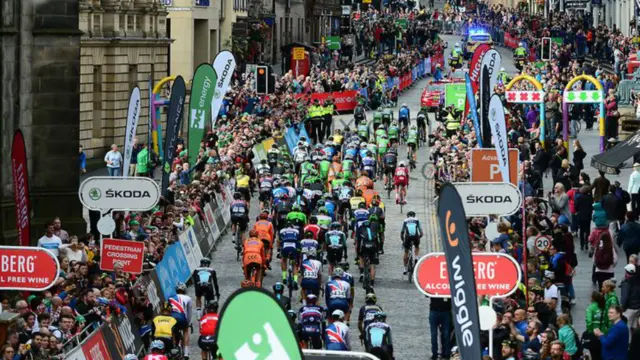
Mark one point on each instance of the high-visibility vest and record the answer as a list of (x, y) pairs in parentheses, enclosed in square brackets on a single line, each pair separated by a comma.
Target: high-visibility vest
[(328, 109), (452, 124)]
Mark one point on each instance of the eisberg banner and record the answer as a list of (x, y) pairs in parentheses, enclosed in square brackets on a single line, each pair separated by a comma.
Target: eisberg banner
[(202, 88), (133, 114), (21, 188), (224, 64), (499, 133), (475, 71), (174, 119)]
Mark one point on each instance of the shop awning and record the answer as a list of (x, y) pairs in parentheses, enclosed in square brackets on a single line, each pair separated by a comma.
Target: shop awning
[(612, 160)]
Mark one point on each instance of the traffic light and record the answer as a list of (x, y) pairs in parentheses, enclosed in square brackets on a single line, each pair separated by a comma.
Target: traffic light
[(262, 80), (545, 51)]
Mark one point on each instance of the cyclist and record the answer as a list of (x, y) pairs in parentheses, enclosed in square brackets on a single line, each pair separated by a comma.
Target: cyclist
[(163, 327), (383, 146), (401, 182), (156, 350), (355, 201), (272, 156), (341, 270), (278, 292), (239, 216), (411, 233), (281, 210), (367, 312), (412, 144), (423, 121), (404, 115), (337, 293), (389, 162), (387, 116), (297, 217), (348, 167), (359, 113), (181, 311), (364, 182), (265, 183), (367, 245), (377, 340), (336, 245), (266, 232), (208, 324), (289, 248), (345, 194), (299, 201), (377, 119), (363, 130), (336, 335), (253, 258), (324, 220), (311, 275), (377, 228), (263, 168), (311, 323), (205, 281), (324, 167), (393, 132), (360, 215), (520, 52), (243, 182)]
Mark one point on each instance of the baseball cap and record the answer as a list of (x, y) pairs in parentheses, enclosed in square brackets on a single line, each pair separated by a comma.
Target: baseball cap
[(630, 268), (510, 343)]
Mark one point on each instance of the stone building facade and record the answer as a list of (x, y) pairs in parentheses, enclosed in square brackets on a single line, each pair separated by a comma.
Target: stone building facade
[(124, 44), (39, 94)]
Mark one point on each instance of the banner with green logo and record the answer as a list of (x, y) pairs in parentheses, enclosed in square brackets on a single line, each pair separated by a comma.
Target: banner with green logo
[(403, 23), (202, 88), (253, 325), (333, 42), (456, 95)]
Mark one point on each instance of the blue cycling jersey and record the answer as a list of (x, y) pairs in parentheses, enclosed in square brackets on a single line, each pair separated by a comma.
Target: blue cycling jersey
[(289, 235), (404, 112)]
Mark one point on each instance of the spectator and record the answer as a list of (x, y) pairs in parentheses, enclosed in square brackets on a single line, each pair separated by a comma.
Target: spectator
[(595, 315), (630, 295), (113, 159), (142, 162), (611, 205), (615, 341), (604, 259), (50, 241), (584, 210), (634, 347), (559, 201), (59, 232), (600, 187), (629, 235), (568, 336)]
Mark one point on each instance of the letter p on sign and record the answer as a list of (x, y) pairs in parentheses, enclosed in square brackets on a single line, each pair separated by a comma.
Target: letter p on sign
[(485, 167)]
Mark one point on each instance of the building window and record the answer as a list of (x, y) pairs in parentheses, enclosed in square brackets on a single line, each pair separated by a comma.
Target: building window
[(96, 26), (130, 22), (133, 76), (97, 101)]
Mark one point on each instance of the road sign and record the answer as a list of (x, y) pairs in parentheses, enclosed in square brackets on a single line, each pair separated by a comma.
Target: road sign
[(118, 193), (583, 96), (298, 53), (543, 243), (485, 167), (496, 274), (525, 97), (456, 95), (333, 42), (489, 198), (27, 268), (128, 253)]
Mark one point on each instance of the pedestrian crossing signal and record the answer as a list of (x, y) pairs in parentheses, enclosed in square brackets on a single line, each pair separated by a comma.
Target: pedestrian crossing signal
[(262, 80), (545, 51)]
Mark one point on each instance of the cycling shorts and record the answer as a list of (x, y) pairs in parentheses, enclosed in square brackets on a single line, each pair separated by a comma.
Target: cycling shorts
[(313, 333), (182, 322), (245, 193), (371, 253), (412, 146), (251, 258), (208, 344), (338, 304), (265, 195), (408, 240), (400, 181), (289, 252), (205, 290), (403, 120), (241, 220), (310, 286), (334, 255), (389, 170)]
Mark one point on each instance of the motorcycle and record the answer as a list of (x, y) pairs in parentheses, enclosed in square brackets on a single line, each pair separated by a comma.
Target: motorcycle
[(520, 61), (455, 62)]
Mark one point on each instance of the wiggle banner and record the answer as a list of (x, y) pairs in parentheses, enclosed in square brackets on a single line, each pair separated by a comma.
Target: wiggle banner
[(510, 41)]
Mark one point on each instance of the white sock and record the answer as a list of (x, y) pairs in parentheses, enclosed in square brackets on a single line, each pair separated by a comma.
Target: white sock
[(186, 350)]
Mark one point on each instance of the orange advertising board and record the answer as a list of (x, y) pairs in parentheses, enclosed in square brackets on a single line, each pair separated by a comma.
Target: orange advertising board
[(485, 167)]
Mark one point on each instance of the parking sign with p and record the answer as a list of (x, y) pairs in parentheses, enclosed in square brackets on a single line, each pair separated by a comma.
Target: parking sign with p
[(485, 167)]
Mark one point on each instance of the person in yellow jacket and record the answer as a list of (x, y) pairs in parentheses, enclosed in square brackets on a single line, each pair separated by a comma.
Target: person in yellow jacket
[(316, 115), (327, 119), (451, 123)]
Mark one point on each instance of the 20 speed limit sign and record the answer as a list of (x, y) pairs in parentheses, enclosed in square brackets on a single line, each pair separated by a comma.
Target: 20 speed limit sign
[(543, 243)]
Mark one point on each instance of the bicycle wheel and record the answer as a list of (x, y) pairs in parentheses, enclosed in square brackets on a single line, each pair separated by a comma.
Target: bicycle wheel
[(389, 189), (410, 265), (238, 248), (366, 281)]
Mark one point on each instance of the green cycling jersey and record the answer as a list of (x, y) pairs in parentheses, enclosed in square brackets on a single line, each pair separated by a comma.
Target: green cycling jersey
[(297, 217), (393, 132), (363, 130), (325, 165), (306, 168), (377, 116), (380, 132), (336, 183), (413, 137), (373, 148), (383, 145)]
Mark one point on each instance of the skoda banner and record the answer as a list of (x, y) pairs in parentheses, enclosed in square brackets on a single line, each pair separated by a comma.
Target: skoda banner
[(492, 61), (174, 120), (499, 132), (117, 193), (224, 64), (482, 199), (253, 325), (133, 115), (455, 241), (204, 80)]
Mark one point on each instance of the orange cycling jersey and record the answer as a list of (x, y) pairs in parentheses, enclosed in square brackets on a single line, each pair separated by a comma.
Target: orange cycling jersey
[(363, 183), (253, 252), (264, 228), (368, 196)]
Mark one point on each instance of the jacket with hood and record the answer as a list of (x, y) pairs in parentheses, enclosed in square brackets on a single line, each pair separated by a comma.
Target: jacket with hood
[(630, 293), (629, 237), (599, 215)]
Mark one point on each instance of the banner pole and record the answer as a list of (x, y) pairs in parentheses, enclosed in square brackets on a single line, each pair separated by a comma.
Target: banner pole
[(524, 242), (491, 331)]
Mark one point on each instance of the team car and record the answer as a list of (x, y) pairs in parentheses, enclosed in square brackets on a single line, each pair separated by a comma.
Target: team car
[(472, 39), (432, 97)]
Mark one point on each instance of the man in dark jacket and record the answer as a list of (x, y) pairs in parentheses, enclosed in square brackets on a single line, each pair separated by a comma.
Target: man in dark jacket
[(600, 187), (630, 295), (629, 235), (611, 206)]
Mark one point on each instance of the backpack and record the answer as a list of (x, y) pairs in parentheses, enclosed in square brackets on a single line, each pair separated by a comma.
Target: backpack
[(603, 260), (578, 343)]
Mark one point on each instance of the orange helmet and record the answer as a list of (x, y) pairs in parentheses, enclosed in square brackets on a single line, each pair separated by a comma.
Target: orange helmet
[(245, 284), (253, 233)]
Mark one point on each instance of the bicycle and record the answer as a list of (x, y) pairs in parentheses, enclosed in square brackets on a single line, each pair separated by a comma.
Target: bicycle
[(290, 281), (410, 263), (366, 281), (401, 199), (238, 244)]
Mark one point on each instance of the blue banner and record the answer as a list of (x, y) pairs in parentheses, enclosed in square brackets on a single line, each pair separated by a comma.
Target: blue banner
[(473, 111), (414, 74), (291, 138), (172, 269), (390, 83)]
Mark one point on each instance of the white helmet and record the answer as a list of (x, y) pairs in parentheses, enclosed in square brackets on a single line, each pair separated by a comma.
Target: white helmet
[(457, 45), (502, 69), (520, 44), (402, 164), (404, 104), (339, 314)]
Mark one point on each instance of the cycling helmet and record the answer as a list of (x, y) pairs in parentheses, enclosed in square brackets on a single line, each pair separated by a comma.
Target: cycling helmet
[(384, 136), (371, 298), (263, 161), (205, 261), (311, 298), (130, 357), (181, 287), (338, 314), (368, 153), (323, 210), (245, 284), (402, 164), (237, 196), (380, 315), (296, 207), (358, 192), (502, 69), (156, 345), (320, 203), (278, 288), (319, 146), (276, 184), (212, 305), (520, 44), (347, 183), (363, 144), (338, 272), (287, 165), (362, 205), (375, 202), (308, 234), (336, 225), (411, 214), (292, 314), (253, 233), (457, 45), (404, 104), (313, 220), (373, 217)]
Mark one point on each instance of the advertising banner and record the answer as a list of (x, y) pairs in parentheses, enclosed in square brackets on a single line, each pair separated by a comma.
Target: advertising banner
[(172, 269), (204, 236), (21, 188), (482, 199), (471, 104), (343, 100), (174, 120), (333, 42), (75, 354), (475, 70), (202, 88), (224, 64), (210, 218), (499, 132), (455, 241), (456, 95), (485, 96), (128, 253), (121, 336), (149, 287), (133, 115), (496, 275), (485, 167), (492, 61), (510, 41), (95, 347), (191, 249), (217, 210), (27, 268), (117, 193)]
